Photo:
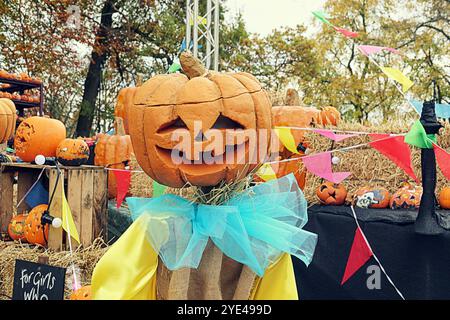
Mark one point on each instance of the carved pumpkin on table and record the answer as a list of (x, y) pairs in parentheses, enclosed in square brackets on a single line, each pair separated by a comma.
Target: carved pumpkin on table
[(444, 198), (34, 231), (113, 151), (372, 197), (38, 135), (407, 197), (330, 193), (72, 152), (124, 101), (83, 293), (16, 227), (231, 105), (7, 119)]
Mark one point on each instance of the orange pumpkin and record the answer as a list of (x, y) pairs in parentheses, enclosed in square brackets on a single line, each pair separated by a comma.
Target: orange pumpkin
[(16, 227), (113, 151), (368, 197), (72, 152), (38, 135), (444, 198), (83, 293), (330, 116), (124, 101), (407, 197), (231, 104), (34, 231), (330, 193), (7, 119)]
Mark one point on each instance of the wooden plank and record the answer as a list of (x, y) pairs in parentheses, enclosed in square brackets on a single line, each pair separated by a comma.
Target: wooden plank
[(100, 204), (75, 199), (55, 237), (87, 208), (25, 180), (6, 199)]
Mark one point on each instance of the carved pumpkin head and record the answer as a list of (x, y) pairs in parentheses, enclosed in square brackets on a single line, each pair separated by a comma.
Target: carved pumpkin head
[(444, 198), (38, 135), (7, 119), (407, 197), (83, 293), (330, 193), (113, 151), (124, 101), (72, 152), (369, 197), (230, 105), (34, 231), (16, 227)]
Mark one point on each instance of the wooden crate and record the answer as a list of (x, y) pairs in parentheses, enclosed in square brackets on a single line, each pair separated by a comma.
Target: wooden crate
[(85, 189)]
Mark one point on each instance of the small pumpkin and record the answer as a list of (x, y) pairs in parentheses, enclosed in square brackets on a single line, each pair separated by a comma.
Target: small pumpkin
[(7, 119), (444, 198), (124, 101), (407, 197), (34, 231), (72, 152), (113, 151), (330, 193), (330, 116), (83, 293), (16, 227), (369, 197)]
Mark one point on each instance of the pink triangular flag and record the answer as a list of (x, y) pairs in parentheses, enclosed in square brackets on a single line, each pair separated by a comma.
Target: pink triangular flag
[(368, 50), (123, 180), (443, 160), (360, 253), (320, 165), (347, 33), (334, 136)]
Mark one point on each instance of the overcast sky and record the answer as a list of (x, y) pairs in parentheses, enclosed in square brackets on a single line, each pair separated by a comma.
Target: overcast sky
[(262, 16)]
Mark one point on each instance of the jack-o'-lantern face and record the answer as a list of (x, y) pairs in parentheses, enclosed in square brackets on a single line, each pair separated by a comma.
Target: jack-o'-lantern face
[(16, 227), (407, 197), (199, 130), (72, 152), (330, 193), (34, 231), (83, 293)]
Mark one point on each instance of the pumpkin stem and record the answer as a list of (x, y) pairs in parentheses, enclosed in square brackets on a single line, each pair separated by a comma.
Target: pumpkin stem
[(292, 98), (119, 127), (192, 66)]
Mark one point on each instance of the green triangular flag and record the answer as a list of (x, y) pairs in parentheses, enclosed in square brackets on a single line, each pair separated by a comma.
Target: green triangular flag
[(174, 67), (322, 16), (158, 189), (419, 138)]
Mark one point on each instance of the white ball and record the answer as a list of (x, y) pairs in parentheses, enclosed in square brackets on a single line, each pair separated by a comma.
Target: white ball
[(308, 151), (335, 160), (56, 223), (39, 159)]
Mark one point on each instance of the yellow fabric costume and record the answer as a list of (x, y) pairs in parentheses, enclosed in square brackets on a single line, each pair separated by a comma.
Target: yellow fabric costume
[(128, 272)]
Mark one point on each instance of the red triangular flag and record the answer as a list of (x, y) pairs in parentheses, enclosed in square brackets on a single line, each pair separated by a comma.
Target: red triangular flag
[(345, 32), (396, 150), (443, 160), (359, 255), (123, 180)]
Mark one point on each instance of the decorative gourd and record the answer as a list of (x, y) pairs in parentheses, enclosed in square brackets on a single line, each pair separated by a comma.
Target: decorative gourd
[(16, 227), (38, 135), (83, 293), (407, 197), (444, 198), (113, 151), (330, 116), (7, 119), (72, 152), (369, 197), (330, 193), (171, 103), (34, 231), (124, 101)]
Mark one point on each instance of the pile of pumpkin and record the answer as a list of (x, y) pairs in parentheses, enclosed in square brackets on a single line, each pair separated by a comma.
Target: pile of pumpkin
[(407, 197), (21, 77), (28, 96)]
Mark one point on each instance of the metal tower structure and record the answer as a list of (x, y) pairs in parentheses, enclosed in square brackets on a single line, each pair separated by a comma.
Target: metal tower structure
[(202, 31)]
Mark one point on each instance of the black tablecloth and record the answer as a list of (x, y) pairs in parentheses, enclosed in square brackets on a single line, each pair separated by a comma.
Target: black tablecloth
[(418, 265)]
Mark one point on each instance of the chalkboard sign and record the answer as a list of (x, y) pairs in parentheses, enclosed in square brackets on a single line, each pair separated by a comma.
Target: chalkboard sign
[(35, 281)]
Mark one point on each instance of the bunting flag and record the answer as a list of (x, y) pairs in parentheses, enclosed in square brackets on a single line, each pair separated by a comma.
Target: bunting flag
[(123, 180), (183, 46), (360, 253), (418, 137), (67, 219), (345, 32), (158, 189), (320, 165), (200, 20), (334, 136), (442, 110), (369, 50), (287, 139), (176, 66), (396, 150), (398, 76), (322, 16), (266, 173), (443, 160)]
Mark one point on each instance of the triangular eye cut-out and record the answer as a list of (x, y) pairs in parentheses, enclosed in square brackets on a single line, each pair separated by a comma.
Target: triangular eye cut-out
[(223, 122), (176, 124)]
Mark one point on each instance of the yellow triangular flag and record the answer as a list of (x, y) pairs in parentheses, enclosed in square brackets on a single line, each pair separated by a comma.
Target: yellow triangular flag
[(200, 20), (287, 139), (67, 220), (398, 76), (266, 172)]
